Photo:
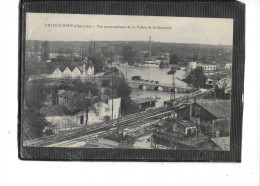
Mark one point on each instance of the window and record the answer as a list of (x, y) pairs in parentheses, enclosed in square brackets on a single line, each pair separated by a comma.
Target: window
[(188, 132), (81, 119)]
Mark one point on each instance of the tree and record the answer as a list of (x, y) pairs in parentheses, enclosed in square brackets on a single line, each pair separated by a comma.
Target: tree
[(45, 50), (81, 87), (120, 88), (197, 77), (33, 121), (98, 63), (129, 54), (220, 92), (174, 59), (36, 49), (79, 103), (128, 106)]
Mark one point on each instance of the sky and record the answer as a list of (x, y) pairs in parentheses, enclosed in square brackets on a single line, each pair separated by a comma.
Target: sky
[(85, 27)]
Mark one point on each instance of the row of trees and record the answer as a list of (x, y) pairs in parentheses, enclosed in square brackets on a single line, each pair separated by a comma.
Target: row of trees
[(129, 55)]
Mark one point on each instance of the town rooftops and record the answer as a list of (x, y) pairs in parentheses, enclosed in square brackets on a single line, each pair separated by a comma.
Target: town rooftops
[(143, 100), (223, 143), (218, 108)]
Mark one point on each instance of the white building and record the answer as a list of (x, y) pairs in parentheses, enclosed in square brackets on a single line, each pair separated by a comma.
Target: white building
[(208, 66), (87, 69), (191, 65), (99, 112), (228, 66)]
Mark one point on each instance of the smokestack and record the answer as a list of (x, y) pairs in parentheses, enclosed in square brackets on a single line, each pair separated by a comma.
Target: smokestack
[(150, 46)]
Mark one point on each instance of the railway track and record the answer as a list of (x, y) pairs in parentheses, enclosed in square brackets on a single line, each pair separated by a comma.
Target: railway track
[(138, 121), (84, 133)]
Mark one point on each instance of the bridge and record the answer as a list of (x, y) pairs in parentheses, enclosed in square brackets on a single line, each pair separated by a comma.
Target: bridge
[(88, 133), (143, 85)]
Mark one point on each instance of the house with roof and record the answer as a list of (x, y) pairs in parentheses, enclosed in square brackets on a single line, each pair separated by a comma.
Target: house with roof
[(179, 134), (66, 96), (144, 103), (228, 66), (87, 69), (98, 113), (209, 68), (61, 115), (213, 116)]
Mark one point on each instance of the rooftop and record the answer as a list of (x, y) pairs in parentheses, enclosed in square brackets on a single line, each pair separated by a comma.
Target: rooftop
[(143, 100), (185, 123), (218, 108), (223, 143)]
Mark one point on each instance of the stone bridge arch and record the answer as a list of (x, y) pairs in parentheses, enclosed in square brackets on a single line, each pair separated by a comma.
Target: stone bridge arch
[(142, 87), (158, 88), (172, 90)]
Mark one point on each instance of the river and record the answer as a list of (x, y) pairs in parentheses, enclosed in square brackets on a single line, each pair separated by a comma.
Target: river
[(156, 74)]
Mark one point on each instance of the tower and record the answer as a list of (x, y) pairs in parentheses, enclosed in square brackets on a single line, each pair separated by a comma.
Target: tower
[(150, 46)]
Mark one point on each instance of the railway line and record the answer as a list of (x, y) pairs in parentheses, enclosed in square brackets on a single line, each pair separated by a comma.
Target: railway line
[(88, 132)]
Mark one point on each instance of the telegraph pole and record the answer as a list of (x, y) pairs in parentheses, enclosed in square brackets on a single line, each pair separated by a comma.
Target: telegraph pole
[(173, 85)]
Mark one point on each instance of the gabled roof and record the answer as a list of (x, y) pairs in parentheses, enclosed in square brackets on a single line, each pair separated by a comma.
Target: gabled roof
[(218, 108), (58, 69), (223, 143), (80, 68)]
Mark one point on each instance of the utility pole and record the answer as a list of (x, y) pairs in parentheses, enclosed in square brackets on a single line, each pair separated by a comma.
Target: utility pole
[(112, 99), (173, 85)]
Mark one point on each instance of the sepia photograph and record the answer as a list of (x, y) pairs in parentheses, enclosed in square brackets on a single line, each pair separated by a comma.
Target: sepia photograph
[(127, 82)]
